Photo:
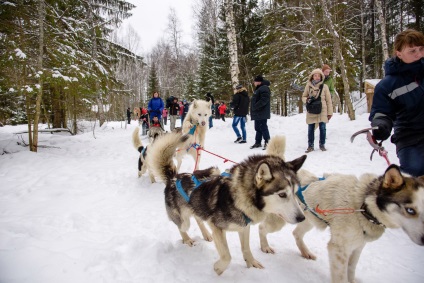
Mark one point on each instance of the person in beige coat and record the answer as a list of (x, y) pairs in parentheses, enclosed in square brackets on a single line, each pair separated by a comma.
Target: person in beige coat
[(312, 89)]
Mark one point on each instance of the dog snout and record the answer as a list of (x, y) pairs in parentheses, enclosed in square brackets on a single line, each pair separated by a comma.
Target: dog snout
[(203, 123), (300, 218)]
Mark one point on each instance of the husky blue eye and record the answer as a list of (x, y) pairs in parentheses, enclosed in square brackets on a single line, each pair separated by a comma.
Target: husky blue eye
[(410, 211)]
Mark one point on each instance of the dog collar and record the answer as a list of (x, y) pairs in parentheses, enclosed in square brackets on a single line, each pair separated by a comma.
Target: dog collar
[(368, 215)]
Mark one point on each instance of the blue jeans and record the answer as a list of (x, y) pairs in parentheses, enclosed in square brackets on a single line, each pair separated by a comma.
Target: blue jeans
[(311, 134), (411, 159), (210, 122), (242, 121), (262, 131)]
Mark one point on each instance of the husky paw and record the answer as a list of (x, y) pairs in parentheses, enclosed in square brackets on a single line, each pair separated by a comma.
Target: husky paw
[(220, 266), (255, 264), (268, 250), (189, 242), (308, 255), (208, 237)]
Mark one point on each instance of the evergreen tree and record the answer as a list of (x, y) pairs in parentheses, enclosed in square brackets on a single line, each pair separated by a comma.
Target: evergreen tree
[(153, 83)]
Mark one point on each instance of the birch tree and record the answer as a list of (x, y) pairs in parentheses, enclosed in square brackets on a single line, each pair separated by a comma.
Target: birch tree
[(382, 20), (41, 17), (232, 42), (341, 61)]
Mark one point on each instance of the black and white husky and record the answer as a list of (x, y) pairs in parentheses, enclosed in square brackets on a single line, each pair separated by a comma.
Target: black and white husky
[(259, 185)]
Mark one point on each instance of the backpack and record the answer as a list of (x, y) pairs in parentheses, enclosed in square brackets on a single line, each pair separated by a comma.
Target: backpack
[(314, 105)]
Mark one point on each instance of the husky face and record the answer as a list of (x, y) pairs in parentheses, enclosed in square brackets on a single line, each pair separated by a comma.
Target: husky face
[(278, 190), (200, 111), (403, 199)]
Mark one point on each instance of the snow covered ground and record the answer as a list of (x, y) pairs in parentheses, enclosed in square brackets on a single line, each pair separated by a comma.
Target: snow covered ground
[(76, 212)]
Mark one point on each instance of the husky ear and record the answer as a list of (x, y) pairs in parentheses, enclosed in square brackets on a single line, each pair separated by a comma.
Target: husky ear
[(195, 103), (392, 177), (297, 163), (263, 174)]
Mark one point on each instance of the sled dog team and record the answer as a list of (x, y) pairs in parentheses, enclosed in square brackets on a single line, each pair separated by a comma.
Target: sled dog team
[(269, 191)]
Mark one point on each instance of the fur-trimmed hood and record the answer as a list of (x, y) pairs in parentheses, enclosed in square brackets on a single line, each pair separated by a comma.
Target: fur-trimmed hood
[(240, 90), (316, 71)]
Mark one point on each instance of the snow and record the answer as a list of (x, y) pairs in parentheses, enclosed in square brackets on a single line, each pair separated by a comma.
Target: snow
[(20, 54), (76, 211)]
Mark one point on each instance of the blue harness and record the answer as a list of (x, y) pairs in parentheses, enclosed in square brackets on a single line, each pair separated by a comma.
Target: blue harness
[(197, 183), (143, 152), (299, 194)]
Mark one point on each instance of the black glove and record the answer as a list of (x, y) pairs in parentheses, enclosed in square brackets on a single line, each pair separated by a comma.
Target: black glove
[(384, 128)]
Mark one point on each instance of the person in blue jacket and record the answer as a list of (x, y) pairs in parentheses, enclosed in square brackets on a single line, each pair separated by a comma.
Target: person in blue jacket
[(155, 106), (398, 102)]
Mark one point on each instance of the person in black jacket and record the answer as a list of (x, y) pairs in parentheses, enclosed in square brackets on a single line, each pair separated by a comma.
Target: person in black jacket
[(398, 102), (209, 97), (260, 110), (174, 112), (240, 105), (129, 115)]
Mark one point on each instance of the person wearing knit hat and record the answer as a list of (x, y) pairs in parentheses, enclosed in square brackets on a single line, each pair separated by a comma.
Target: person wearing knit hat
[(260, 110), (258, 78), (316, 89), (329, 81)]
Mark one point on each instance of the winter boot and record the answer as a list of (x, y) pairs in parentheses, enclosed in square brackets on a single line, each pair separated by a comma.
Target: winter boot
[(309, 149), (256, 145)]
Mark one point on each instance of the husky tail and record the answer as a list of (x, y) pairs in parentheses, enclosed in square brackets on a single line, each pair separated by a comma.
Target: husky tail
[(161, 154), (277, 146), (136, 140)]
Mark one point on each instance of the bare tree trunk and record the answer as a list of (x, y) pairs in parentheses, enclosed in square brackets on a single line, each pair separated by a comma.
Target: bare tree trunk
[(41, 16), (364, 63), (97, 90), (338, 52), (232, 42), (382, 20)]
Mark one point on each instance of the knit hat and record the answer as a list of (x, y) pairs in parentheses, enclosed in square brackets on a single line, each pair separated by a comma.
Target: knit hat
[(239, 86), (325, 67), (258, 78)]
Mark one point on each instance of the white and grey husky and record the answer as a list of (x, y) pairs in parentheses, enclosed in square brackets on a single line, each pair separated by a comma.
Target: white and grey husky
[(369, 204), (196, 122)]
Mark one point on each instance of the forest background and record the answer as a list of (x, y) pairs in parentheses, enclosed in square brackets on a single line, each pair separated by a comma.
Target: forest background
[(62, 62)]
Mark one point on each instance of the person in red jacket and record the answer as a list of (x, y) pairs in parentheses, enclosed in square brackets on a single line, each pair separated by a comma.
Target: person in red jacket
[(222, 108)]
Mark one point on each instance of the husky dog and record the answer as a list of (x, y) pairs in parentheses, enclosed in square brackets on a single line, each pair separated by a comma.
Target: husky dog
[(154, 132), (259, 185), (374, 203), (195, 122), (177, 207), (142, 162)]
